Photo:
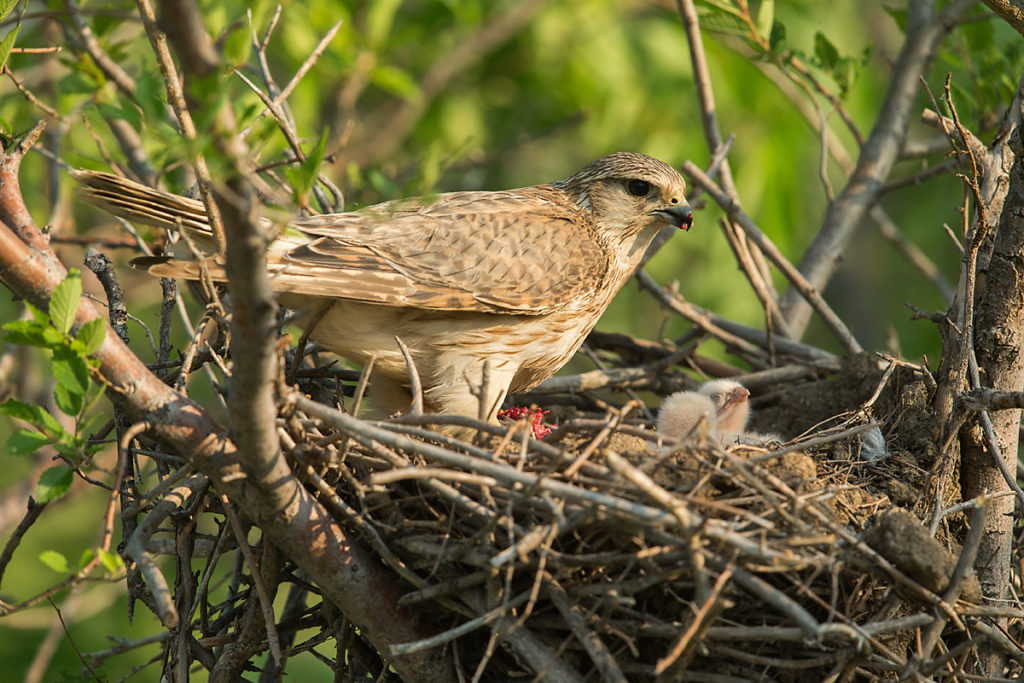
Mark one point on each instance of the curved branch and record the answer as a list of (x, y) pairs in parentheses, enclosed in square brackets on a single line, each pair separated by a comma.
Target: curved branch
[(349, 576)]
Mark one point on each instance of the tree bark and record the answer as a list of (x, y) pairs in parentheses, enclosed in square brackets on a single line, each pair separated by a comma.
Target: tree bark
[(999, 342)]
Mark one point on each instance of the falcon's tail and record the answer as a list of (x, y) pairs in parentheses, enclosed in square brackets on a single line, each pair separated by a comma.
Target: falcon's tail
[(141, 204)]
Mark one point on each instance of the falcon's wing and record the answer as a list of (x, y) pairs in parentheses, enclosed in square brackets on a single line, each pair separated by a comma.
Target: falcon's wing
[(520, 251), (496, 251)]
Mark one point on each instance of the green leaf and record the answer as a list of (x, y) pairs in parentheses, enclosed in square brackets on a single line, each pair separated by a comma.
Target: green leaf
[(7, 44), (765, 17), (49, 425), (6, 7), (70, 370), (64, 302), (55, 561), (36, 416), (777, 41), (25, 442), (78, 82), (53, 483), (41, 317), (149, 95), (381, 183), (825, 51), (111, 562), (725, 6), (898, 14), (129, 114), (303, 176), (28, 333), (727, 23), (87, 556), (91, 335), (69, 402), (21, 411)]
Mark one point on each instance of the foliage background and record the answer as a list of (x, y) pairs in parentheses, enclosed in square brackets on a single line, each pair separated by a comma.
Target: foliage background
[(581, 78)]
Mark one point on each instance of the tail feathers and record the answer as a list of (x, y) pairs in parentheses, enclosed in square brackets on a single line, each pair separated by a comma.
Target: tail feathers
[(135, 202), (168, 266)]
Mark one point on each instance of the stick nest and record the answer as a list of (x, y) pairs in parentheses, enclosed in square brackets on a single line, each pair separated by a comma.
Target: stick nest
[(600, 554)]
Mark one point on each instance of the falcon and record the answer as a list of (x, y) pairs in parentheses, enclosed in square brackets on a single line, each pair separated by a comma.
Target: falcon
[(513, 279)]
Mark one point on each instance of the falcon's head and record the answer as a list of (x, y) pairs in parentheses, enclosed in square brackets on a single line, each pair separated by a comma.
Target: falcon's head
[(629, 194)]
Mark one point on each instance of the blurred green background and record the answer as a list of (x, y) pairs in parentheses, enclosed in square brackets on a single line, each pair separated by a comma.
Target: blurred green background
[(423, 96)]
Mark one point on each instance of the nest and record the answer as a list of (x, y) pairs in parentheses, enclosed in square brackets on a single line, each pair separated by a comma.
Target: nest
[(602, 554)]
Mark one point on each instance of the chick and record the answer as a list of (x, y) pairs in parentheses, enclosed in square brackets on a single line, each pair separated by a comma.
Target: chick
[(731, 407), (681, 413), (723, 405)]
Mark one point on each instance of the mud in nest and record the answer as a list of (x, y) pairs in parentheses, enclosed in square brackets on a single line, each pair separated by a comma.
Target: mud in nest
[(600, 554)]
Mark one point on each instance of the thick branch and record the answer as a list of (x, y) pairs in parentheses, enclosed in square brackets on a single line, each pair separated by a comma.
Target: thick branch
[(346, 573), (1012, 12), (925, 30), (999, 335)]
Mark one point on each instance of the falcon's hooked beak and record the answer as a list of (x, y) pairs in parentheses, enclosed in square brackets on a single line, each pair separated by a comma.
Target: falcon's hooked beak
[(679, 216)]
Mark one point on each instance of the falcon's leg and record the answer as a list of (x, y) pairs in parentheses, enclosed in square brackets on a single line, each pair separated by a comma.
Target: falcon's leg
[(387, 396), (461, 395)]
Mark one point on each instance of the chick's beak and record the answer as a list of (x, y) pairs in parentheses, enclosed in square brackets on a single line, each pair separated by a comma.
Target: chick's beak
[(680, 216), (737, 396)]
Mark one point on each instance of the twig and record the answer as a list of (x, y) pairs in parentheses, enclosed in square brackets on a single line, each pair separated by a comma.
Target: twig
[(780, 601), (598, 651), (100, 265), (367, 434), (263, 595), (698, 625), (709, 120), (796, 278), (675, 302), (989, 399), (1009, 476), (964, 568), (458, 631), (31, 515), (925, 29), (176, 97)]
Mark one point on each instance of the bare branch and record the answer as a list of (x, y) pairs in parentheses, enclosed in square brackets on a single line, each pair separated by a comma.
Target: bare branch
[(1012, 12), (800, 284), (925, 30)]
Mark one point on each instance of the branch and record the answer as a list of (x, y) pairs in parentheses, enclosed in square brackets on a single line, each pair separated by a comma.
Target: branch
[(925, 30), (347, 574), (176, 98), (713, 136), (799, 284), (1011, 11), (990, 399)]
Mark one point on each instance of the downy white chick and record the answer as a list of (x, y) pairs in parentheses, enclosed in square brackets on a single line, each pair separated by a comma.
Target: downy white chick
[(724, 406), (681, 412)]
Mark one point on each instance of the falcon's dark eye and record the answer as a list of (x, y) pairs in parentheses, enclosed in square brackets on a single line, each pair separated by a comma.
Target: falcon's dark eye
[(638, 188)]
